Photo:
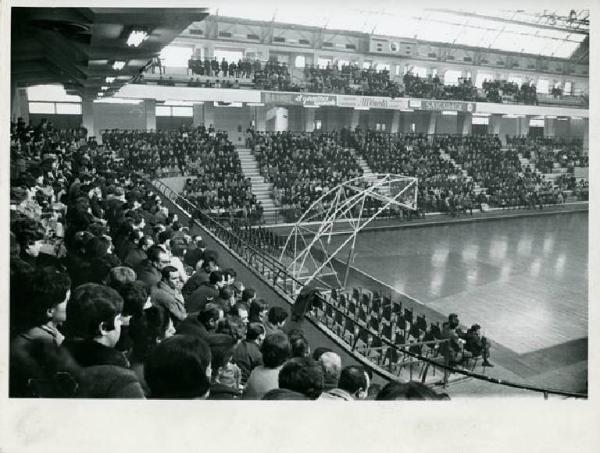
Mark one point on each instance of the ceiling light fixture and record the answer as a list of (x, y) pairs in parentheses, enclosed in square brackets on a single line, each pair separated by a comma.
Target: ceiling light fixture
[(110, 79), (136, 37), (118, 65)]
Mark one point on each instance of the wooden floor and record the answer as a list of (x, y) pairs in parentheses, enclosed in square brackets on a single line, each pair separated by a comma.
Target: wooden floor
[(523, 280)]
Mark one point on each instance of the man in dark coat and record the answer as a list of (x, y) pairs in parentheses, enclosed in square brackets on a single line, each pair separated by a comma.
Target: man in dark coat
[(148, 271)]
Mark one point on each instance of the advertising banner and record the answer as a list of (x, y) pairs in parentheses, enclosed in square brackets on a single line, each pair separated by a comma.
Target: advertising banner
[(304, 99), (373, 102), (430, 104)]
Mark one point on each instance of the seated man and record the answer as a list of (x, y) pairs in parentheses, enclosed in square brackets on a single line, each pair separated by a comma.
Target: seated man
[(246, 354), (203, 324), (300, 379), (93, 330), (168, 295), (477, 344), (276, 319), (353, 385)]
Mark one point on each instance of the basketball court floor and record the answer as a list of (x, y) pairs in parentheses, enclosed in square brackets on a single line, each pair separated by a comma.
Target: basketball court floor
[(524, 280)]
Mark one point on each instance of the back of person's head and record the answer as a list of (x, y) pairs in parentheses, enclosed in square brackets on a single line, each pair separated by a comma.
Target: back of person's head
[(298, 343), (119, 276), (354, 380), (179, 368), (167, 271), (408, 391), (154, 253), (209, 316), (215, 277), (147, 329), (277, 315), (47, 289), (303, 375), (257, 306), (221, 348), (135, 295), (226, 293), (275, 349), (332, 367), (92, 307), (248, 294), (318, 352), (254, 331)]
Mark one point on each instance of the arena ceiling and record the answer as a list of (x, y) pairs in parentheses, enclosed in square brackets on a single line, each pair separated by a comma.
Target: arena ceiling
[(549, 33), (77, 47)]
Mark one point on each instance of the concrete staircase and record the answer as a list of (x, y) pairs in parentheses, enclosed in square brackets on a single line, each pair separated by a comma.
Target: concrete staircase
[(362, 163), (260, 187)]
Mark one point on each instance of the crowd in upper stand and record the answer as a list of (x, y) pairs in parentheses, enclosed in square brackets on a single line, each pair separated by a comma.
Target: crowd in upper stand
[(497, 90), (432, 87), (111, 297), (349, 79), (301, 166), (219, 186)]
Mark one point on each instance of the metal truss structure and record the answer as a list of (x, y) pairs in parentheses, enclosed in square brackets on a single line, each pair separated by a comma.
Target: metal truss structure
[(308, 254)]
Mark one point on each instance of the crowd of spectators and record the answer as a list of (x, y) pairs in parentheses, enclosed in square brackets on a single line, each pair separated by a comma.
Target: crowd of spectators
[(442, 187), (432, 87), (301, 166), (111, 297), (350, 79), (217, 185), (499, 90), (548, 153)]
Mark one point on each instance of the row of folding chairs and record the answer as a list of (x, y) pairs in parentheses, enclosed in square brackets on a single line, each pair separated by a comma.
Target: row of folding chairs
[(366, 331)]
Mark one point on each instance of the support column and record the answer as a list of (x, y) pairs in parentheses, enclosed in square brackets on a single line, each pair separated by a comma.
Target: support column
[(309, 119), (433, 116), (260, 118), (494, 124), (354, 120), (208, 114), (395, 126), (198, 114), (150, 114), (20, 104), (523, 125), (549, 127), (465, 123), (87, 119)]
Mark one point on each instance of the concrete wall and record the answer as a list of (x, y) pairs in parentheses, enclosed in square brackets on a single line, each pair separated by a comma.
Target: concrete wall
[(118, 116), (446, 124), (234, 120)]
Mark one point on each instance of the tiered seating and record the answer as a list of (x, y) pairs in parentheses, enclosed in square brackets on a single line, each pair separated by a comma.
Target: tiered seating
[(551, 153), (301, 166), (441, 185), (219, 186)]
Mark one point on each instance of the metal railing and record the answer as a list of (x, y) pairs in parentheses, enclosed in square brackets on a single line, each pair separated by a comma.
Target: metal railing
[(393, 360)]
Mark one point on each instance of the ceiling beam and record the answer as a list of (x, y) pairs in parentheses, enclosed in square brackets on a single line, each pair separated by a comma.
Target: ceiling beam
[(511, 21)]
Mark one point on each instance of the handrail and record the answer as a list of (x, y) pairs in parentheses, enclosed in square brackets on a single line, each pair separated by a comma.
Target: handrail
[(278, 269)]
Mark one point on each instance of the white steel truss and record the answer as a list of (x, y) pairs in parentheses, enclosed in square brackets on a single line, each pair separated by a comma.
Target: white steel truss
[(307, 253)]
